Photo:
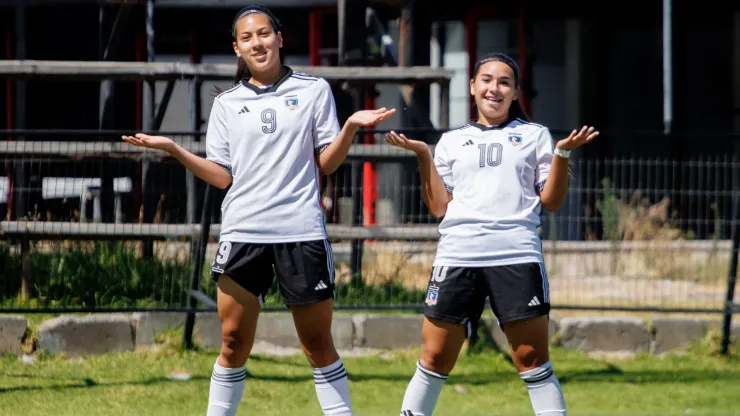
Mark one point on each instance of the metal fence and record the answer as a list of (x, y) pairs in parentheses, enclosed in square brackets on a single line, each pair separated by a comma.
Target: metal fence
[(93, 224)]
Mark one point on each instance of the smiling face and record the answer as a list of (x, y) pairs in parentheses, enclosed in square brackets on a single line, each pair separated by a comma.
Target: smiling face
[(494, 88), (257, 43)]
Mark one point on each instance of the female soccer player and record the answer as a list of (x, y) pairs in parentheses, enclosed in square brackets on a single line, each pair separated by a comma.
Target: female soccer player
[(488, 179), (268, 136)]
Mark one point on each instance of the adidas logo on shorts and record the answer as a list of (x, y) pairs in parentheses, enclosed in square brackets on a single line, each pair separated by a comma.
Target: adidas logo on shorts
[(321, 286), (534, 302)]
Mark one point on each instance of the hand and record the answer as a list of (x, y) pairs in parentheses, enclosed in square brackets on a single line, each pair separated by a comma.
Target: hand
[(577, 138), (399, 140), (366, 118), (152, 142)]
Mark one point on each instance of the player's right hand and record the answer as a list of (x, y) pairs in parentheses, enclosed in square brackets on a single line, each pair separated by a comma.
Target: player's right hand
[(152, 142), (400, 140)]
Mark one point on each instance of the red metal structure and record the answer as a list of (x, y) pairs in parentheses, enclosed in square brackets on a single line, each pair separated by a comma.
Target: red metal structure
[(315, 18), (369, 175)]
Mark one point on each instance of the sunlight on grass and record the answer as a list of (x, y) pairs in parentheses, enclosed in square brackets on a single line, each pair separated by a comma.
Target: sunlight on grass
[(142, 383)]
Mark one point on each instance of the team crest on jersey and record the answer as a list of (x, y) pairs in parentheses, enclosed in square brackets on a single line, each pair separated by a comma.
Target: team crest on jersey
[(515, 139), (432, 295), (291, 102)]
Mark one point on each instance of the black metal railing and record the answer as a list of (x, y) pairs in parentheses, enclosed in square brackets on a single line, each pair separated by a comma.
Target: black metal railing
[(93, 224)]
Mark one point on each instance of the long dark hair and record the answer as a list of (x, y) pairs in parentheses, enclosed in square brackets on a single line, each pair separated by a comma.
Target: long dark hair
[(242, 70), (516, 110)]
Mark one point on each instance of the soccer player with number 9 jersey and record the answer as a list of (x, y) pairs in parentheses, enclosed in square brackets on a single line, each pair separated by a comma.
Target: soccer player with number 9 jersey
[(268, 138), (488, 180)]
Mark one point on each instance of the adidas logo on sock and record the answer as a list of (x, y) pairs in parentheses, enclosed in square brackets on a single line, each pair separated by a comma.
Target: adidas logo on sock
[(534, 302), (321, 286), (244, 110), (468, 143)]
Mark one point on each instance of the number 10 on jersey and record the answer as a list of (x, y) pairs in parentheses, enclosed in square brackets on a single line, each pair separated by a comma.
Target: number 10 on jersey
[(490, 154)]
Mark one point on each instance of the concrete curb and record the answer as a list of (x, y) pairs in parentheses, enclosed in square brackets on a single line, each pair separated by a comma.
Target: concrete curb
[(12, 333), (89, 335), (97, 334)]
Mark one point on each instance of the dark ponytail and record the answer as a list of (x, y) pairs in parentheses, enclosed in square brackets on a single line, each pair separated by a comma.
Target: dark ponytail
[(242, 71), (517, 111)]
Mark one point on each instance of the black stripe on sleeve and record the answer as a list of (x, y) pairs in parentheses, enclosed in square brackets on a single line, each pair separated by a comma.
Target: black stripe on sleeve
[(226, 167)]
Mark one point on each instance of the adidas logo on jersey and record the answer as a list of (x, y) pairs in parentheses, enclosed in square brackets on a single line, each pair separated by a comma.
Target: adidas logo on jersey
[(534, 302), (244, 110), (468, 143), (321, 286)]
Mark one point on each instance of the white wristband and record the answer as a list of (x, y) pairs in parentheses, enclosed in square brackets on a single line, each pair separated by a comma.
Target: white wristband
[(565, 154)]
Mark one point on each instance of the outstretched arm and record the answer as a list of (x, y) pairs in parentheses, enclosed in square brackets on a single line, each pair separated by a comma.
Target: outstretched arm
[(433, 189), (555, 187), (206, 170), (211, 172), (331, 143), (435, 193), (334, 154)]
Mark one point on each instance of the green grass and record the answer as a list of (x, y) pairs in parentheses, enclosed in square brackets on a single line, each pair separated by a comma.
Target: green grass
[(137, 383)]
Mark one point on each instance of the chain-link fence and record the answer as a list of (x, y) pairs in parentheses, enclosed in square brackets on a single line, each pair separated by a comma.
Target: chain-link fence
[(92, 223)]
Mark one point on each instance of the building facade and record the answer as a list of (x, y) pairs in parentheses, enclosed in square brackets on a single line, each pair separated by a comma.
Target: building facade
[(581, 65)]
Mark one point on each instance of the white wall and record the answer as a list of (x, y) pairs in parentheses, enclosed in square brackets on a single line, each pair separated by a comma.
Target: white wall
[(456, 58)]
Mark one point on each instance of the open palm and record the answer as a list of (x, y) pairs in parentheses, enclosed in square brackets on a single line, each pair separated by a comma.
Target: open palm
[(578, 138), (400, 140), (151, 142), (366, 118)]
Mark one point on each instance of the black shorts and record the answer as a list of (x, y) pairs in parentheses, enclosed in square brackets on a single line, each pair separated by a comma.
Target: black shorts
[(458, 294), (305, 270)]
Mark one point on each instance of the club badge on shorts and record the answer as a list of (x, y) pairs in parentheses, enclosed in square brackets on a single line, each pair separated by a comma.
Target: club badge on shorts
[(432, 295)]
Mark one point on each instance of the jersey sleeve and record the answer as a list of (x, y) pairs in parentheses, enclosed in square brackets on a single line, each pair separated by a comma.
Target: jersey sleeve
[(545, 149), (217, 137), (326, 126), (441, 162)]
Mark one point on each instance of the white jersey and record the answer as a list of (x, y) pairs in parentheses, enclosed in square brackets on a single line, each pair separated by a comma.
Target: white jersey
[(268, 138), (495, 175)]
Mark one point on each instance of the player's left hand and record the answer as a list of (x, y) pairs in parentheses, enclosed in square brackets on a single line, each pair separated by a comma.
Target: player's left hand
[(578, 138), (364, 118)]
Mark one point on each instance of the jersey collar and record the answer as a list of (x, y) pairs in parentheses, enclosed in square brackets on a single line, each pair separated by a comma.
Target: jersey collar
[(273, 87), (489, 128)]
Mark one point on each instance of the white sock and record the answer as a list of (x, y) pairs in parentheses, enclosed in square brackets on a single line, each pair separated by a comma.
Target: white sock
[(227, 387), (544, 391), (332, 389), (422, 392)]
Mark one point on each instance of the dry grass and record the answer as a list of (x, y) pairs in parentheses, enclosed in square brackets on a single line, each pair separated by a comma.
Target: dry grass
[(392, 262)]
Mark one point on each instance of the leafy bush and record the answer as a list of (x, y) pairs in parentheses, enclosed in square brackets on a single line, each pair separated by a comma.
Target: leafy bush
[(113, 275), (99, 274)]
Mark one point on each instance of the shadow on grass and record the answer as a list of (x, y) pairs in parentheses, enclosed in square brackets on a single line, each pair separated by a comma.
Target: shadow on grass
[(608, 374), (595, 371), (86, 382)]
